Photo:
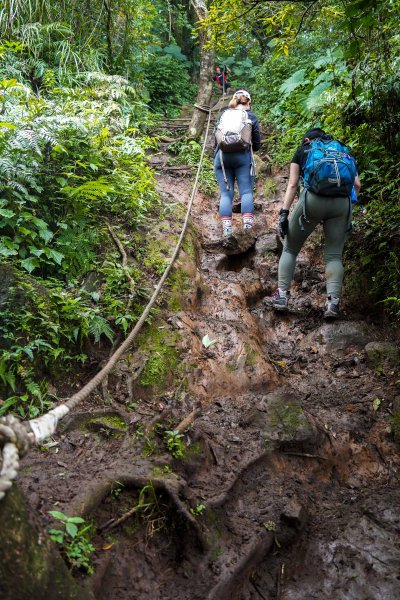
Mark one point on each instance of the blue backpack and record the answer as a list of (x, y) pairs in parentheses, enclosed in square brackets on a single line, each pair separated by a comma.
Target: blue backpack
[(330, 169)]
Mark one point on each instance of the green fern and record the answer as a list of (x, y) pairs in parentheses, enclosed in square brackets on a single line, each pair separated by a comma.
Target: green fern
[(98, 326), (77, 245), (91, 190)]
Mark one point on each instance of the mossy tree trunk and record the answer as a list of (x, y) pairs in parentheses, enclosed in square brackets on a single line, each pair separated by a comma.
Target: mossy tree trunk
[(30, 566), (207, 54)]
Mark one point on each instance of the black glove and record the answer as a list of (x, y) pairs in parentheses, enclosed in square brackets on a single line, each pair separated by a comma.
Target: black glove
[(283, 223)]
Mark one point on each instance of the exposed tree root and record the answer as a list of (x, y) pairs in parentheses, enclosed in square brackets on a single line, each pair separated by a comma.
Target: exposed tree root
[(79, 418), (231, 583), (124, 257), (220, 500), (85, 504)]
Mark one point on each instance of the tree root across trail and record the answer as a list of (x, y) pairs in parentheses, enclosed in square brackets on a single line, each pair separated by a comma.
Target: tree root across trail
[(271, 474)]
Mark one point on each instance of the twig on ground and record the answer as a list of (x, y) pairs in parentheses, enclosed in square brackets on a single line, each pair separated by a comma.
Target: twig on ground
[(281, 574), (214, 454), (179, 168), (187, 421), (114, 522), (305, 455)]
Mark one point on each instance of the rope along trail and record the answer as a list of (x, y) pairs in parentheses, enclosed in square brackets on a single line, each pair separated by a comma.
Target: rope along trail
[(17, 437)]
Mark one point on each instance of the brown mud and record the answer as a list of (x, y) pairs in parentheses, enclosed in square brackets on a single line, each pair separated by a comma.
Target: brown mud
[(288, 488)]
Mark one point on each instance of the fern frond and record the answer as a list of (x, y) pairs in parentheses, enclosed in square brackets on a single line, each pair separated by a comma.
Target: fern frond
[(98, 326), (77, 247), (6, 168), (92, 190)]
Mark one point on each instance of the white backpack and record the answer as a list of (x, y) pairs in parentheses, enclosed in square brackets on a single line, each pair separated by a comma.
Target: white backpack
[(233, 130)]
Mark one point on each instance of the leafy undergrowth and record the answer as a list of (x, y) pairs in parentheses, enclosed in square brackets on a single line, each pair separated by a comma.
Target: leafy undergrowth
[(78, 202)]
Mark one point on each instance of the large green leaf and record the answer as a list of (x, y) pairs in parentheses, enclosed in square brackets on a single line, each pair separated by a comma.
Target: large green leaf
[(294, 81)]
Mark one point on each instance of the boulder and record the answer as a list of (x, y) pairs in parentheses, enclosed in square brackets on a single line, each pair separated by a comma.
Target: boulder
[(269, 242), (340, 336), (381, 354), (283, 423), (238, 243), (295, 514)]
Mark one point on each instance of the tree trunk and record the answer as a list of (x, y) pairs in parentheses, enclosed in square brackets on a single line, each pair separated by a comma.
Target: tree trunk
[(199, 117), (30, 566)]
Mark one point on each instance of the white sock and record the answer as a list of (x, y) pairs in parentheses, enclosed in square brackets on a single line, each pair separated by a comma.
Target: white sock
[(226, 225), (248, 220)]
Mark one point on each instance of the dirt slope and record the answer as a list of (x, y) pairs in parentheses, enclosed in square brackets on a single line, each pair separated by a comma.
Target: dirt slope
[(289, 486)]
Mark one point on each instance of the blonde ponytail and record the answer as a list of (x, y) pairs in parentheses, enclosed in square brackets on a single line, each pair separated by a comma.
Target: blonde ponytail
[(240, 97)]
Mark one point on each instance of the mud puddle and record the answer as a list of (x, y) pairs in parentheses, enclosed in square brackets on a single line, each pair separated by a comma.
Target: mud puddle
[(288, 486)]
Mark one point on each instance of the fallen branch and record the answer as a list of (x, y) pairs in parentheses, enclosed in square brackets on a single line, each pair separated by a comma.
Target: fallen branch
[(187, 421), (170, 140), (179, 168)]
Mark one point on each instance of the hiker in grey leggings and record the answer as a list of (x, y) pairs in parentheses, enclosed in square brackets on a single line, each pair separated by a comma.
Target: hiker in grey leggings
[(311, 209)]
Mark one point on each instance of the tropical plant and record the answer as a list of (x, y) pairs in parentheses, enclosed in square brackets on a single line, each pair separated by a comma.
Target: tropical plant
[(74, 540)]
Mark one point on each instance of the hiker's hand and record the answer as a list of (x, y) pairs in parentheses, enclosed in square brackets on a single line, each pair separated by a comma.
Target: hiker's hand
[(283, 223)]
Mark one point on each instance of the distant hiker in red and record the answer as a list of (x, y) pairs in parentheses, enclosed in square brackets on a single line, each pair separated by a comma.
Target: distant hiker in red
[(221, 78)]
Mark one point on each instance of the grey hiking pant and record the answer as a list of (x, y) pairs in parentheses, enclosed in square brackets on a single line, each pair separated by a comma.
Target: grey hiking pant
[(335, 214)]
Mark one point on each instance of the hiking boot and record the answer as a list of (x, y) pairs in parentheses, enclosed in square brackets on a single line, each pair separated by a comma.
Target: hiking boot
[(227, 232), (279, 300), (331, 308)]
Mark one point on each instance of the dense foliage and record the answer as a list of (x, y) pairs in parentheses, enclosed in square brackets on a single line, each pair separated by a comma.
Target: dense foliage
[(77, 100)]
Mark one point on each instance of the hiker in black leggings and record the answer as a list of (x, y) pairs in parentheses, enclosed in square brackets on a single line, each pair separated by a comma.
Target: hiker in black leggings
[(335, 215)]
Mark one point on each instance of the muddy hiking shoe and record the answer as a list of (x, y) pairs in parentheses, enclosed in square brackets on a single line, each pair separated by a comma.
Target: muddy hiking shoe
[(331, 308), (279, 301)]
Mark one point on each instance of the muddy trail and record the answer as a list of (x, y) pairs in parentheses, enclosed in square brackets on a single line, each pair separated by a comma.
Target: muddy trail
[(288, 484)]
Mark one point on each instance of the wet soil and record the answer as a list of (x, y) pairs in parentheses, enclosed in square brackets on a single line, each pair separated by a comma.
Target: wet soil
[(288, 488)]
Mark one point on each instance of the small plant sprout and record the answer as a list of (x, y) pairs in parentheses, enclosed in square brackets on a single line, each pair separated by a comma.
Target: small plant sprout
[(198, 510), (116, 488), (376, 404), (73, 540), (175, 444), (270, 525)]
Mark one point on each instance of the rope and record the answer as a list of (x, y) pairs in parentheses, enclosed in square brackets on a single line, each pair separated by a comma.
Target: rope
[(15, 442), (204, 108), (17, 437)]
